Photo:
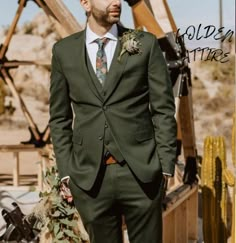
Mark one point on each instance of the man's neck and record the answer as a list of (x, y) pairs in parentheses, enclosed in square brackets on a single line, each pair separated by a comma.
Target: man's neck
[(99, 29)]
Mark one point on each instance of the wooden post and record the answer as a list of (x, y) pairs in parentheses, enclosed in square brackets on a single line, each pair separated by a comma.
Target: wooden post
[(16, 94), (181, 223), (160, 13), (12, 28), (40, 173), (193, 216), (146, 19), (169, 233), (16, 169), (64, 16)]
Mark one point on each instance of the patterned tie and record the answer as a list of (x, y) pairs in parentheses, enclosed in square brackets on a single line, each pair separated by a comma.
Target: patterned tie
[(101, 60)]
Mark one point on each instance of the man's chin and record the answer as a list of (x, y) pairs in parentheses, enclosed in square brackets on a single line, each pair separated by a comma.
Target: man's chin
[(114, 19)]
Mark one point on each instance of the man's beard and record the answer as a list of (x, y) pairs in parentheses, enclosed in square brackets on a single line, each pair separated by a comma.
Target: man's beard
[(104, 18)]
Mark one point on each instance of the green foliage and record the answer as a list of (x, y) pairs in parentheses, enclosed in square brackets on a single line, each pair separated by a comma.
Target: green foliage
[(62, 217), (28, 28), (130, 43), (223, 72), (59, 218)]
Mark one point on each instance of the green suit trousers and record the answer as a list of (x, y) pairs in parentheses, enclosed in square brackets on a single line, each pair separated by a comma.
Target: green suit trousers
[(116, 192)]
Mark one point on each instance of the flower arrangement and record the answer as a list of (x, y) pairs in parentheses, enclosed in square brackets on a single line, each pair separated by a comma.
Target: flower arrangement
[(130, 43), (60, 221)]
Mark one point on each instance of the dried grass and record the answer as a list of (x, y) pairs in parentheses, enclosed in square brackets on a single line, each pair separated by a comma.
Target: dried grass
[(223, 72), (38, 91), (197, 83), (200, 96)]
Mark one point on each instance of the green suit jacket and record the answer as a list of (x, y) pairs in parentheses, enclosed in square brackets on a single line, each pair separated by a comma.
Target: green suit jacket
[(136, 103)]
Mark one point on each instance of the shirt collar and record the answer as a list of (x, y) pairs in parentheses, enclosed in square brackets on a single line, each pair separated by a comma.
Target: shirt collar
[(112, 34)]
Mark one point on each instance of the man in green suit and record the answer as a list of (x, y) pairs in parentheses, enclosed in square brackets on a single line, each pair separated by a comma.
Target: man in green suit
[(112, 125)]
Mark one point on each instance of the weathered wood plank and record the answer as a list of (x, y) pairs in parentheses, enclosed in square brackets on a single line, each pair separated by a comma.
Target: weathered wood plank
[(19, 148), (193, 216), (64, 16), (158, 9), (181, 223), (16, 169), (169, 233), (144, 15), (176, 197)]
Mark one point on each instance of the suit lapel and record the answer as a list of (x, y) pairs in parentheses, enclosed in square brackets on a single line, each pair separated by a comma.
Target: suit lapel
[(81, 54), (115, 71), (116, 68)]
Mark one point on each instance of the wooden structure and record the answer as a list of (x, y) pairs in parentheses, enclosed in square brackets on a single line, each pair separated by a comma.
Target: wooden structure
[(181, 204), (16, 150)]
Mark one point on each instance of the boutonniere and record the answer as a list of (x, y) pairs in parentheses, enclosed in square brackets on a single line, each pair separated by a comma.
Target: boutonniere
[(130, 43)]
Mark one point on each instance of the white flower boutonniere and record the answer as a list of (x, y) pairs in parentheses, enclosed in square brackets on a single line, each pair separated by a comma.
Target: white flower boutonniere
[(130, 43)]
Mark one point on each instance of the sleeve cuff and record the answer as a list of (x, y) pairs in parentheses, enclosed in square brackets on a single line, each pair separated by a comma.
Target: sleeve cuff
[(65, 178), (168, 174)]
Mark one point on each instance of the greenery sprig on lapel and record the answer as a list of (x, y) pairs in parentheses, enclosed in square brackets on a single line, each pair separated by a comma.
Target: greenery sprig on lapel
[(130, 43)]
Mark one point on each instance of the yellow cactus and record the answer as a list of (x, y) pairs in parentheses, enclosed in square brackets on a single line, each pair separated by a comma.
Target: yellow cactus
[(228, 177), (234, 192), (208, 191), (221, 198), (233, 140), (215, 179)]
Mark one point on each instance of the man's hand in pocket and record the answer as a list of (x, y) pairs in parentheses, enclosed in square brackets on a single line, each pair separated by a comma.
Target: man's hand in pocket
[(65, 190)]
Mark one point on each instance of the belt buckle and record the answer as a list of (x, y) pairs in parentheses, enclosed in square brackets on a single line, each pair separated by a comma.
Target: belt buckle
[(109, 159)]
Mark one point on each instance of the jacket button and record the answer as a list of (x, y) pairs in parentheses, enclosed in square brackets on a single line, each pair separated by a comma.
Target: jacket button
[(104, 107), (100, 137), (106, 126)]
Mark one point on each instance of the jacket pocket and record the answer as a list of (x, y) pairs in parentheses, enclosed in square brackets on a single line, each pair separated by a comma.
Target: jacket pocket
[(144, 135)]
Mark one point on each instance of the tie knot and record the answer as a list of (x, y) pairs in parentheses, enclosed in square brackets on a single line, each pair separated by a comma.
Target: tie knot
[(102, 42)]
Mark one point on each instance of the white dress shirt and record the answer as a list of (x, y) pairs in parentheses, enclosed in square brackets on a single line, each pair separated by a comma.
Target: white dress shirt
[(92, 46)]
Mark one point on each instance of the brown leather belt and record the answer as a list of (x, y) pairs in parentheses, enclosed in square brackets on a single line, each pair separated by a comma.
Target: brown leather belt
[(110, 160)]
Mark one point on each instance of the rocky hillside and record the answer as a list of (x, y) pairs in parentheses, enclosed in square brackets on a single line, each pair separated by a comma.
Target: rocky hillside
[(33, 41)]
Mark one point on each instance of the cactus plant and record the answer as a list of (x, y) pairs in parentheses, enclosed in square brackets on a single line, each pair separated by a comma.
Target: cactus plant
[(215, 180), (233, 179)]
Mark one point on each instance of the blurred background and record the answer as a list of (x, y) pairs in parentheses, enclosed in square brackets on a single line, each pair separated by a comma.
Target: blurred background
[(213, 83)]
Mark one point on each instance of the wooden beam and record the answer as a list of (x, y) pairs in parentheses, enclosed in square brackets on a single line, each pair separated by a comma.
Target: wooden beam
[(170, 16), (18, 148), (193, 216), (187, 126), (15, 64), (63, 16), (53, 19), (145, 18), (16, 169), (169, 233), (160, 13), (12, 28), (176, 197), (181, 223), (17, 96)]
